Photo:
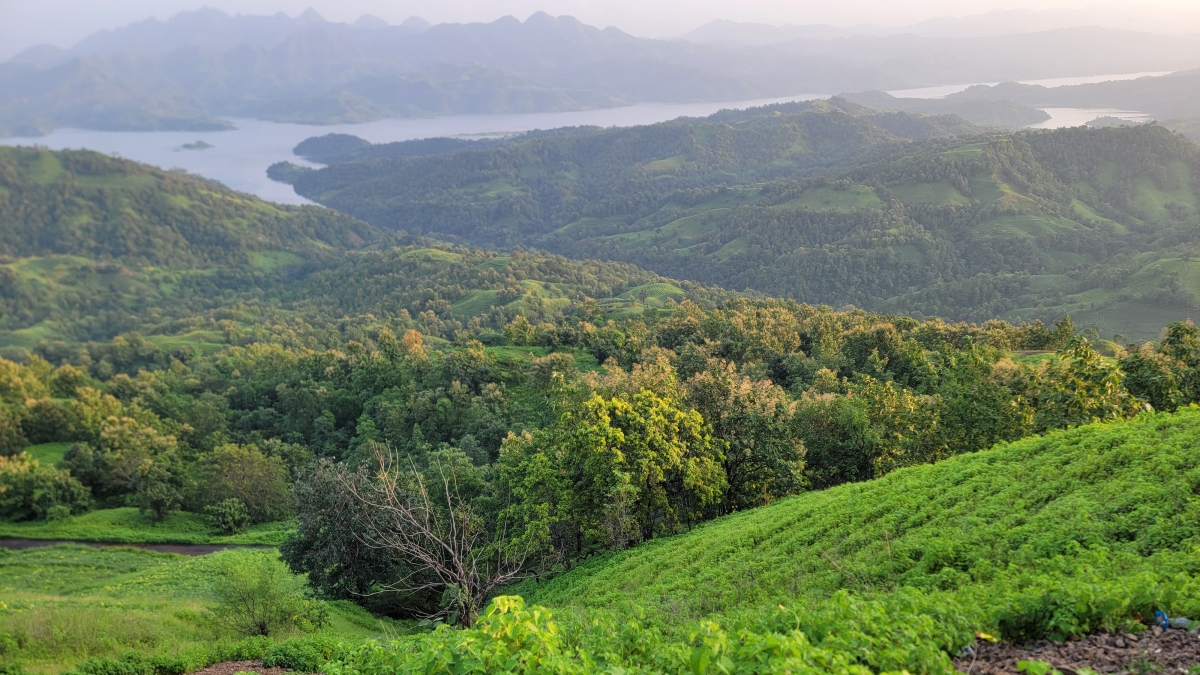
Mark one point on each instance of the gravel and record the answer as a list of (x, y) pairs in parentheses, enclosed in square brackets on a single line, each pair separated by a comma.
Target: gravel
[(1167, 652)]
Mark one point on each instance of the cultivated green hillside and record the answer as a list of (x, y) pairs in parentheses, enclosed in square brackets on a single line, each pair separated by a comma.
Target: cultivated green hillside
[(1095, 223), (1125, 489), (1078, 531)]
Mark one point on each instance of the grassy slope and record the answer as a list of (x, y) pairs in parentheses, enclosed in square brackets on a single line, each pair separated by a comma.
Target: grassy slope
[(1127, 488), (127, 526), (68, 603)]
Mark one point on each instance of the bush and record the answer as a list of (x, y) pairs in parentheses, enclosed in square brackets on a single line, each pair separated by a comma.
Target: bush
[(134, 663), (28, 491), (257, 595), (58, 513), (244, 473), (228, 516), (1066, 598), (303, 655)]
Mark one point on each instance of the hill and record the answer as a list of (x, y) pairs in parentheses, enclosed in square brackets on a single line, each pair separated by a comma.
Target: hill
[(996, 113), (1167, 97), (92, 246), (82, 203), (829, 202), (1074, 532)]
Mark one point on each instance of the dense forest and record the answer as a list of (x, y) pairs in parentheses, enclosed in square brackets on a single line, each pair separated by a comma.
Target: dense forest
[(829, 202)]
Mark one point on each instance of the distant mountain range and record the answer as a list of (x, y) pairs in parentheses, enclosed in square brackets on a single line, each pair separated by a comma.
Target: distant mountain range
[(959, 51), (198, 67), (1167, 97)]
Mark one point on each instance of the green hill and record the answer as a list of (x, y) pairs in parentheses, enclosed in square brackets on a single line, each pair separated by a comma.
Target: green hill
[(92, 246), (1052, 536), (86, 204), (827, 203)]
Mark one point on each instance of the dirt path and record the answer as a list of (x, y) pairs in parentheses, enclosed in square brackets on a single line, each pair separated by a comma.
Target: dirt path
[(182, 549), (1169, 652)]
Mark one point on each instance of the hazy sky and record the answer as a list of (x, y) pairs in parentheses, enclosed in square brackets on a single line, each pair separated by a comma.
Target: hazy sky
[(24, 23)]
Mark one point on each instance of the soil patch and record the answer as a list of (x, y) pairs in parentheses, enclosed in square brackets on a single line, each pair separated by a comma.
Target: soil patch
[(1169, 652), (231, 667)]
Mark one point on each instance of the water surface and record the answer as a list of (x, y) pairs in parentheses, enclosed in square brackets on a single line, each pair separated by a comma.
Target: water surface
[(239, 158)]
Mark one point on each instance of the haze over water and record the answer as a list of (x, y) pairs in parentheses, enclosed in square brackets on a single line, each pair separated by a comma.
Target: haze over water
[(239, 158)]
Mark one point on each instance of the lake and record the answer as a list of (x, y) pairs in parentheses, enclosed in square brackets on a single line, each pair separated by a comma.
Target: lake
[(239, 158)]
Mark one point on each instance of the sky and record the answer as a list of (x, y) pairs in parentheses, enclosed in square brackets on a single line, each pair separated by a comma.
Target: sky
[(25, 23)]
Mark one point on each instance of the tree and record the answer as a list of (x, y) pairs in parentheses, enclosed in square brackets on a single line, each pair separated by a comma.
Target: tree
[(613, 471), (434, 518), (763, 461), (12, 436), (244, 473), (330, 545), (1081, 388), (125, 458)]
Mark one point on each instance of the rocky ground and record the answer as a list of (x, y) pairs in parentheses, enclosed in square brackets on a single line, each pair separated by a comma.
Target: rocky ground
[(1168, 652), (231, 667)]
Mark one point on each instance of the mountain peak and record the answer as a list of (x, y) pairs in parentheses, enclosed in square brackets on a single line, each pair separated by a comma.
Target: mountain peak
[(368, 21), (416, 24), (310, 17)]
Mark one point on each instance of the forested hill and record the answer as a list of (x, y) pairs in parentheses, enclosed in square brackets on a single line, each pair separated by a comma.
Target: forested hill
[(92, 247), (829, 204), (106, 209), (518, 192)]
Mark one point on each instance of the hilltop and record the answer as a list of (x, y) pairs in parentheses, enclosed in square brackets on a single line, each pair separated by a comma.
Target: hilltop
[(828, 202)]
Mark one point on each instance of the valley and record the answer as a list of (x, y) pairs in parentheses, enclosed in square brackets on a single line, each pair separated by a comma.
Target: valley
[(361, 346)]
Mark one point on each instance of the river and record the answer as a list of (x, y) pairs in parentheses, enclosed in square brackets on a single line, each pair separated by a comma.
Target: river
[(239, 158)]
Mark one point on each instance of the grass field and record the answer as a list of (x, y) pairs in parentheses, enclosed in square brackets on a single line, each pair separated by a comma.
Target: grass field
[(127, 526), (63, 604), (48, 454)]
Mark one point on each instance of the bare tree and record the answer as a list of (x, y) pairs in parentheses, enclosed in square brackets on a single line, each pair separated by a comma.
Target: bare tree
[(426, 520)]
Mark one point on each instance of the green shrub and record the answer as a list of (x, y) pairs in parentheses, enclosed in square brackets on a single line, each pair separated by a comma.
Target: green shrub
[(28, 491), (228, 516), (304, 655), (12, 669), (58, 513), (248, 649), (257, 595)]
